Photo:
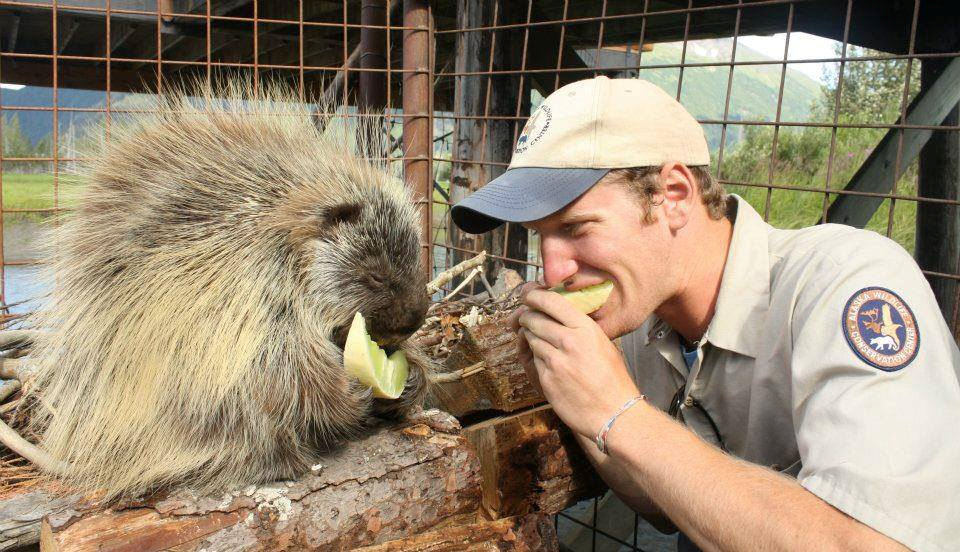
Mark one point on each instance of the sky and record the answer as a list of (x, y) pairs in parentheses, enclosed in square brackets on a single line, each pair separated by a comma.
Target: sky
[(802, 46)]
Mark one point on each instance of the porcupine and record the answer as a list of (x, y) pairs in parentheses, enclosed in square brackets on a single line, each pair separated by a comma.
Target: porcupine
[(202, 292)]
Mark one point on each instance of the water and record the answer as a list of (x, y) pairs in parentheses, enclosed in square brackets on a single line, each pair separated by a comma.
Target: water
[(21, 283)]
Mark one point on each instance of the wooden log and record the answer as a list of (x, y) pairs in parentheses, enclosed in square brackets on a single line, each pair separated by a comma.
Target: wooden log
[(530, 532), (395, 482), (493, 379), (531, 462), (21, 514)]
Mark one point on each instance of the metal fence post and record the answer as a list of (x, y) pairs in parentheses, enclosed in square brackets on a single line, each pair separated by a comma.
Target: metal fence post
[(418, 115)]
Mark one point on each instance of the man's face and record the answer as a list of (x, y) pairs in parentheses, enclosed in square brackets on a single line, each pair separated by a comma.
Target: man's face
[(601, 236)]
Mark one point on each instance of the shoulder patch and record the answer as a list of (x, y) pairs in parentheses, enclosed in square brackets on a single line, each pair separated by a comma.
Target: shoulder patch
[(880, 329)]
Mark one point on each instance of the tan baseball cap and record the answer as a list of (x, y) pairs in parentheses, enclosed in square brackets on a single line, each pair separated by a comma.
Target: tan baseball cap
[(573, 139)]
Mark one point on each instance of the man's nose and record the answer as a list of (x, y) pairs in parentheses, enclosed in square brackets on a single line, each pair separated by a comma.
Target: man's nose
[(558, 263)]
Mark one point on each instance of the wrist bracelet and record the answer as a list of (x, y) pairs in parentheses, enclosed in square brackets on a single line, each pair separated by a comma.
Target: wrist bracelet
[(601, 437)]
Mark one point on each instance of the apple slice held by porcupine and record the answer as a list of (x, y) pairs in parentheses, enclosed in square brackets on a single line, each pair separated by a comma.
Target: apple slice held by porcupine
[(366, 361)]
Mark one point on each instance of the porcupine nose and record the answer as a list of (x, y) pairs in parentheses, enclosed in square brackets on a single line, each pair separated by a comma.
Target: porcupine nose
[(394, 325)]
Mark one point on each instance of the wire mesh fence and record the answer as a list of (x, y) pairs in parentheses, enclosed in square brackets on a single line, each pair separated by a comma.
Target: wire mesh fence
[(810, 113), (814, 110)]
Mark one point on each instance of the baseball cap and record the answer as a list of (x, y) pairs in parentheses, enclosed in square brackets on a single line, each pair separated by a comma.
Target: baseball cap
[(573, 139)]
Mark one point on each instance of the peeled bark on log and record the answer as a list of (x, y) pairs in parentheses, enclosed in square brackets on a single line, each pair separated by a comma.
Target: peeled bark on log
[(21, 514), (502, 383), (395, 482), (521, 533), (530, 461)]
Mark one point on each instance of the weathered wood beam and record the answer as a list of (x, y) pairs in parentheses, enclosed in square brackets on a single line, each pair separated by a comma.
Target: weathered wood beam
[(38, 73), (531, 462), (480, 142), (938, 225), (883, 26), (66, 10), (14, 31), (72, 26), (521, 533), (120, 35), (393, 483), (877, 174), (543, 46)]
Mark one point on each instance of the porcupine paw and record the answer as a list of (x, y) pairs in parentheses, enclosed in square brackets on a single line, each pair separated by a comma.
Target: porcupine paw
[(415, 391)]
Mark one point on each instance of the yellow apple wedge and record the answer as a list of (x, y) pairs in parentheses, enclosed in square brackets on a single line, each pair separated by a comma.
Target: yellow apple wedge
[(367, 362), (588, 299)]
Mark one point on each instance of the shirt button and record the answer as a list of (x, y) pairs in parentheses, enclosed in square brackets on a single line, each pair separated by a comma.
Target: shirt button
[(660, 334), (688, 402)]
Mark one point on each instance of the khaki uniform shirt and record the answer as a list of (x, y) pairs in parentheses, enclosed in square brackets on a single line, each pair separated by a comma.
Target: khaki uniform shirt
[(829, 360)]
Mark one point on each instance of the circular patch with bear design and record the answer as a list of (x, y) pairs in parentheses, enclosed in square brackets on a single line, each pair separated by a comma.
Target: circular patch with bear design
[(881, 329)]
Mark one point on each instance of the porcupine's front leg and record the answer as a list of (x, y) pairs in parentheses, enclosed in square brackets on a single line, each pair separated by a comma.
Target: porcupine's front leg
[(339, 407), (415, 392)]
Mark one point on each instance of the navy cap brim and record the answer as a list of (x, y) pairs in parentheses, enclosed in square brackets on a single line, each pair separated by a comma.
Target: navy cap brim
[(522, 195)]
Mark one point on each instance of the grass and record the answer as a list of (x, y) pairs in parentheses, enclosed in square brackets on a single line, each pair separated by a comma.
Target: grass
[(36, 191)]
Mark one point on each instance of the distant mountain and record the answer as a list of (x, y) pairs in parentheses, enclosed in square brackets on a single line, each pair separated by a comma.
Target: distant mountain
[(37, 124), (753, 93)]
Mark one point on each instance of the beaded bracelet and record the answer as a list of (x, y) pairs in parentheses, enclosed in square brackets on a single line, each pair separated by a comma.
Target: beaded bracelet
[(601, 437)]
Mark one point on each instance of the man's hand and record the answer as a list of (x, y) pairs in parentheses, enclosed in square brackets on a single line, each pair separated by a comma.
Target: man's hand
[(569, 358)]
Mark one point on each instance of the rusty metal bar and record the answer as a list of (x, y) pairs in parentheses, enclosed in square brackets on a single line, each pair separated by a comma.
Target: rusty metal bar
[(56, 120), (3, 264), (417, 131), (726, 103), (894, 57), (836, 109), (776, 128), (904, 104), (632, 15), (577, 27), (150, 15), (876, 57)]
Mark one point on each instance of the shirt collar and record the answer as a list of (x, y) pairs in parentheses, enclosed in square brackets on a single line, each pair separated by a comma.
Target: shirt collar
[(745, 286)]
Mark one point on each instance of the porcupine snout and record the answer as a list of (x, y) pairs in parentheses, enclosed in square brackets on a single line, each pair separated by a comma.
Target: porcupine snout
[(393, 323)]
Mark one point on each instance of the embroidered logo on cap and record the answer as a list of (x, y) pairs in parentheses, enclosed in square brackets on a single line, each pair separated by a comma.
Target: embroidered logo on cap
[(881, 329), (534, 129)]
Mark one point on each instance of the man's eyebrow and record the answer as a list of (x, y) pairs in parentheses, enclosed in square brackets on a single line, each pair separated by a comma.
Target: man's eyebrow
[(578, 217)]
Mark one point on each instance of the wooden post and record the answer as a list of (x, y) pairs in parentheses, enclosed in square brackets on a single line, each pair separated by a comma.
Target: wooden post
[(938, 225), (477, 142), (417, 115), (530, 462), (373, 55)]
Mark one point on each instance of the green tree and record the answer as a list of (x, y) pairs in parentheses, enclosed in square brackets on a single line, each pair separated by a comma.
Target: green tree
[(871, 93), (15, 144)]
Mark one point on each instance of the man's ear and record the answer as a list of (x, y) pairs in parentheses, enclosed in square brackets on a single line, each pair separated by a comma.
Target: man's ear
[(679, 194)]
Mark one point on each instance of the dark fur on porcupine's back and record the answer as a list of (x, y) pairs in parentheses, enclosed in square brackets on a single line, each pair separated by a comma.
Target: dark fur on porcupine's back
[(201, 293)]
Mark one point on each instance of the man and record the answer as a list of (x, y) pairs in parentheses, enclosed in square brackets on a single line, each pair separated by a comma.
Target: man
[(819, 353)]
